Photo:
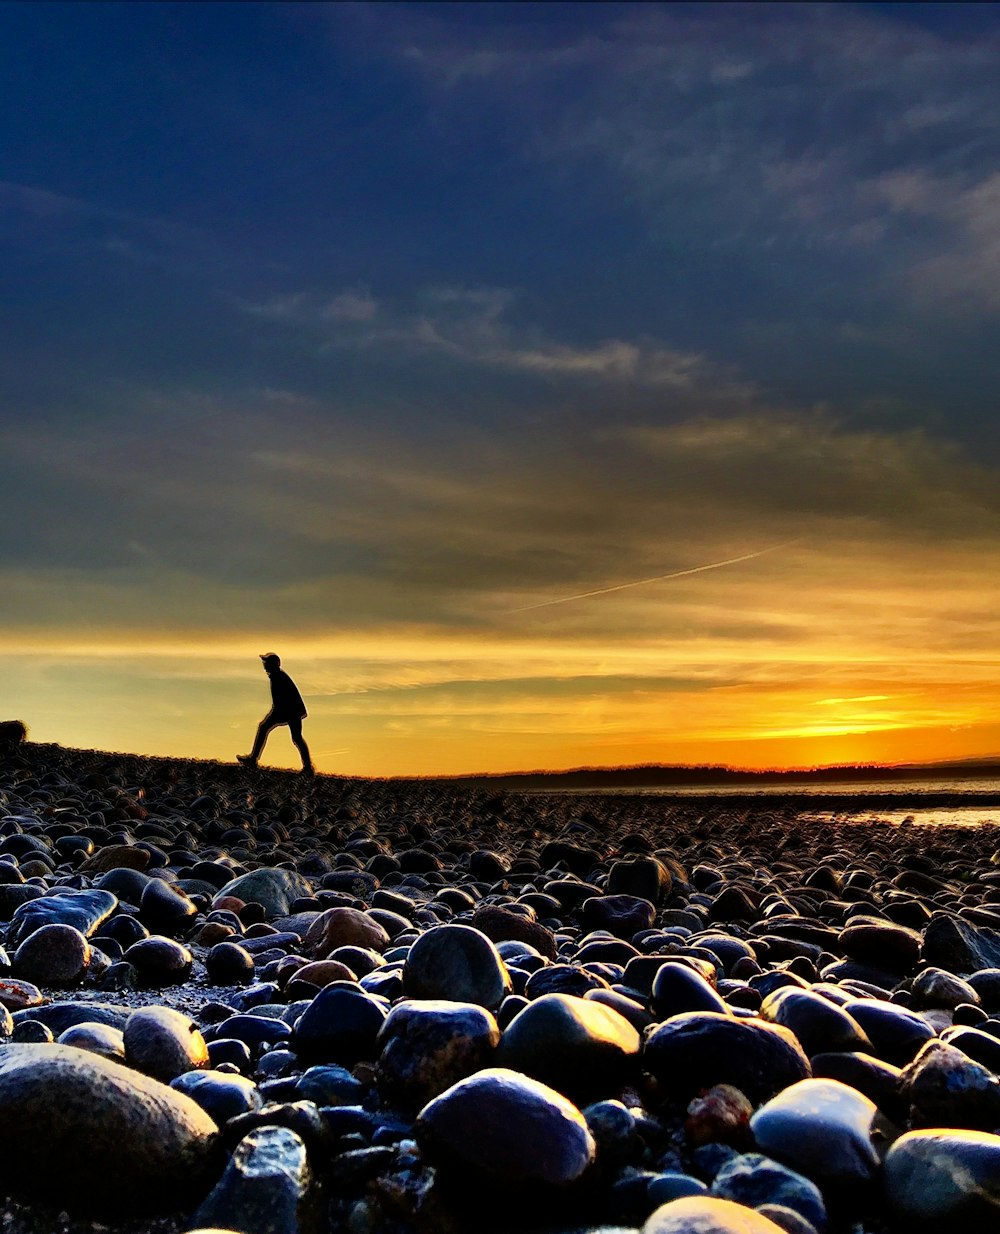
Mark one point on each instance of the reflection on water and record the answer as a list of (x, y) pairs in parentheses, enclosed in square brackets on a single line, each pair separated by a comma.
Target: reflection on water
[(951, 802)]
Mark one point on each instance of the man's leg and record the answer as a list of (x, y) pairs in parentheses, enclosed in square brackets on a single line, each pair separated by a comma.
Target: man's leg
[(263, 729), (295, 728)]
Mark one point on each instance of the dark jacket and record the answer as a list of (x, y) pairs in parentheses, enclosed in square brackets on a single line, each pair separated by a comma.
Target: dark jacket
[(286, 701)]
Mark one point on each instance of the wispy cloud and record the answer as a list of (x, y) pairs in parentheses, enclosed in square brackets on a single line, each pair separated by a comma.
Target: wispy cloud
[(476, 326), (693, 111)]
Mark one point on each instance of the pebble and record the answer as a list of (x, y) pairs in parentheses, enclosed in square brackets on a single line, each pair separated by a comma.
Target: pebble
[(343, 927), (82, 1131), (222, 1096), (54, 955), (754, 1179), (160, 961), (82, 910), (943, 1179), (99, 1038), (426, 1047), (275, 888), (708, 1215), (577, 1046), (691, 1052), (458, 963), (163, 1043), (266, 1188), (821, 1128), (340, 1025), (503, 1127)]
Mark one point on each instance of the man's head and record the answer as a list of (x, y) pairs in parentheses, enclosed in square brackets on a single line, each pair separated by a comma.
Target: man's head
[(271, 662)]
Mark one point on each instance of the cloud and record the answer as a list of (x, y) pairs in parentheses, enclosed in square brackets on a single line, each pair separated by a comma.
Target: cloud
[(473, 326), (773, 129)]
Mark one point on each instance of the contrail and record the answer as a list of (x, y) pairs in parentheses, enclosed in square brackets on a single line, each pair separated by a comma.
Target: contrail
[(658, 578)]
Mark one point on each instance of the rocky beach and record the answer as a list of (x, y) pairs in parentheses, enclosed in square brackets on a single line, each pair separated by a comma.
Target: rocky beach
[(256, 1002)]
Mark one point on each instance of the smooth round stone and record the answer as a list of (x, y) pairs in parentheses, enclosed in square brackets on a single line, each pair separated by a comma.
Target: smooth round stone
[(729, 950), (644, 877), (53, 955), (621, 915), (563, 979), (720, 1115), (163, 1043), (934, 987), (577, 1046), (230, 1052), (821, 1128), (87, 1133), (944, 1180), (633, 1011), (425, 1047), (124, 883), (329, 1085), (879, 1081), (896, 1034), (699, 1049), (116, 857), (343, 927), (613, 1126), (160, 961), (883, 945), (340, 1025), (83, 910), (98, 1038), (266, 1186), (982, 1047), (946, 1088), (677, 988), (504, 1127), (708, 1215), (503, 925), (275, 888), (32, 1032), (255, 1029), (819, 1024), (753, 1179), (164, 909), (222, 1096), (19, 995), (456, 963), (229, 964), (986, 983)]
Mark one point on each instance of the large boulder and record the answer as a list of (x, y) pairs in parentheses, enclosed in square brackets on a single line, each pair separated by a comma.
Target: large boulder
[(91, 1134)]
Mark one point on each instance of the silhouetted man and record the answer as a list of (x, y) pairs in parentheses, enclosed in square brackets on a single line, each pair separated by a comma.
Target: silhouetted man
[(287, 707)]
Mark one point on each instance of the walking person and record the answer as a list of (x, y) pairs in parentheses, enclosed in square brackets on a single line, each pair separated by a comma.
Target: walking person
[(287, 707)]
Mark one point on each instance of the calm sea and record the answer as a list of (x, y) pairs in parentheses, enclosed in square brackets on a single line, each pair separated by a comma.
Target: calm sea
[(939, 802)]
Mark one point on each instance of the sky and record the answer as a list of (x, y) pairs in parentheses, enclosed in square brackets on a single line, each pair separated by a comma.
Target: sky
[(549, 385)]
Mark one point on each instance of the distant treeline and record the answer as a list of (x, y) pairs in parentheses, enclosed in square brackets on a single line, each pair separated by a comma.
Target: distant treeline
[(662, 775)]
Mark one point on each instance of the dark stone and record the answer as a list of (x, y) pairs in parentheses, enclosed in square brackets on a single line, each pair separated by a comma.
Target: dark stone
[(91, 1134), (577, 1046), (458, 963), (426, 1047), (503, 1127), (160, 961), (83, 910), (697, 1050), (266, 1188), (340, 1025)]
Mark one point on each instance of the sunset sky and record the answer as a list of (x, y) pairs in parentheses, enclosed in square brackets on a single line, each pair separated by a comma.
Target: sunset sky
[(549, 385)]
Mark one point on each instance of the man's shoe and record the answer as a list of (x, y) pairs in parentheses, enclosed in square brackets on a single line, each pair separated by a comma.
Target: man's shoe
[(247, 760)]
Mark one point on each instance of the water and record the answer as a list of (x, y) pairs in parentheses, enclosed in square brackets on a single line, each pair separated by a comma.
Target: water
[(940, 802)]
